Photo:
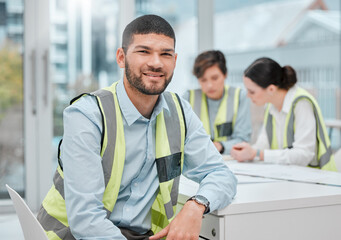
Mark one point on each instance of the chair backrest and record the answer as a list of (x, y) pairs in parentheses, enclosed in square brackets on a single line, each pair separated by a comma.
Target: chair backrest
[(337, 157), (31, 227)]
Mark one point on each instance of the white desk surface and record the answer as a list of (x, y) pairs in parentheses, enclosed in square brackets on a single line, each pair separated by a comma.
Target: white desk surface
[(334, 123), (285, 172), (270, 196), (273, 209)]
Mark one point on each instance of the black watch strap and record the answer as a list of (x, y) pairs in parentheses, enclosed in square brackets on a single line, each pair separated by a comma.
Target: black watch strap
[(222, 148)]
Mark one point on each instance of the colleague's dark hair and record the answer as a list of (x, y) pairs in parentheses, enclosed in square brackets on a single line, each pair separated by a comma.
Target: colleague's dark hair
[(265, 71), (208, 59), (145, 25)]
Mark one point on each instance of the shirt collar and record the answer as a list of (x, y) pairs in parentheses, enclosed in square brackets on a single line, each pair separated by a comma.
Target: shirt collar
[(288, 99), (129, 111)]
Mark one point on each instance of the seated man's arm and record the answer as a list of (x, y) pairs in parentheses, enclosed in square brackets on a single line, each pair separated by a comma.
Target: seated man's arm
[(83, 173), (203, 164)]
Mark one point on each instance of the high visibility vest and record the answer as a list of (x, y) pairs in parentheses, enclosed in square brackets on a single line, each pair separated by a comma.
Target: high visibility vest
[(226, 115), (324, 158), (169, 152)]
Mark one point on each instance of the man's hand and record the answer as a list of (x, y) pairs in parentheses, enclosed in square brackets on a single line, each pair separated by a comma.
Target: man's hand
[(186, 225), (243, 152), (218, 145)]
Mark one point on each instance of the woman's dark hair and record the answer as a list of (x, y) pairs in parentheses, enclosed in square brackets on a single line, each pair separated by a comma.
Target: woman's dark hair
[(208, 59), (265, 71), (145, 25)]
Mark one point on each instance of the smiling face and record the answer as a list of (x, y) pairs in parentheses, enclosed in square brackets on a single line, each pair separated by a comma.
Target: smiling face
[(257, 94), (149, 63), (212, 82)]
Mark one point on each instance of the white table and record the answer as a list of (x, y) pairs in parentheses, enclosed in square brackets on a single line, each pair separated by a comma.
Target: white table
[(274, 209)]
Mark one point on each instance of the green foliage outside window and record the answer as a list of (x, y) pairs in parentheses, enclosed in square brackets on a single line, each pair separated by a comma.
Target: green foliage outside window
[(11, 84)]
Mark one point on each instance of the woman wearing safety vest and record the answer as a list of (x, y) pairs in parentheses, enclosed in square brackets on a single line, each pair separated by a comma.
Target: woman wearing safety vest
[(293, 131), (224, 110)]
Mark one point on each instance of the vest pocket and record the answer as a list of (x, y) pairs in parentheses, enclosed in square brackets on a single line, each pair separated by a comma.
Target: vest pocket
[(168, 167), (224, 129)]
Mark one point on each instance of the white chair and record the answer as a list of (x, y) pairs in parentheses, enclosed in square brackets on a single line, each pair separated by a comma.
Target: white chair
[(337, 157), (31, 227)]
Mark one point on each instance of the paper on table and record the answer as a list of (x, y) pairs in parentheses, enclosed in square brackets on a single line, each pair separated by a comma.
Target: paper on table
[(285, 172)]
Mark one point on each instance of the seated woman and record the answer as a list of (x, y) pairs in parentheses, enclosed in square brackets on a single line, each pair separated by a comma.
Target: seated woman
[(223, 110), (293, 131)]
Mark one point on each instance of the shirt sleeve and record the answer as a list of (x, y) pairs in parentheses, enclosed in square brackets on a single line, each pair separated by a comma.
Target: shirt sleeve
[(304, 145), (204, 164), (83, 173), (242, 129)]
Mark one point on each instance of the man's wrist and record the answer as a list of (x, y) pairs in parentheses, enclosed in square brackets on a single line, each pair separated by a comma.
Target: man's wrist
[(255, 153), (201, 200)]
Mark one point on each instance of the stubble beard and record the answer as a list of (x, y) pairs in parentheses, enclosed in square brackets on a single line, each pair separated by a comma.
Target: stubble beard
[(138, 84)]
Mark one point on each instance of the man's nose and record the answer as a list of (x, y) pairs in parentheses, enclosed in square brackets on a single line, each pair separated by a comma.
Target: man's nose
[(155, 61)]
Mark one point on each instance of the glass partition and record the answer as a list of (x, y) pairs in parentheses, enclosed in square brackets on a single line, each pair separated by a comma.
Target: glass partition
[(182, 15), (303, 34)]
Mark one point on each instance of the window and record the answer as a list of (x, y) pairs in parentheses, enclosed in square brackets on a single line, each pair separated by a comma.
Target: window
[(183, 18), (297, 33), (12, 166)]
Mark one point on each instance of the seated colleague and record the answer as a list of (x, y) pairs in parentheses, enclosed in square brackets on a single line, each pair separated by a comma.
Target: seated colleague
[(124, 148), (293, 131), (223, 110)]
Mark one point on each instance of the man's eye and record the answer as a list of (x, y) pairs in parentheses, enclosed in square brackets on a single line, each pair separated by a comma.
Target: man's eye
[(142, 51), (167, 54)]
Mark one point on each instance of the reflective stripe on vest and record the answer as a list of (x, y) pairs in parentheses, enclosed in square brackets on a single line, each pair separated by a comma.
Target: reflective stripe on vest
[(170, 138), (226, 115), (325, 158)]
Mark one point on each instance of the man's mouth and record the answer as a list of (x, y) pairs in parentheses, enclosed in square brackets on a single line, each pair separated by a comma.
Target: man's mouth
[(154, 75)]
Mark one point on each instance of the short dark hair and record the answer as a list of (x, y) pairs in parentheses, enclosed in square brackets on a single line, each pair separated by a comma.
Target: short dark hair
[(145, 25), (208, 59), (265, 71)]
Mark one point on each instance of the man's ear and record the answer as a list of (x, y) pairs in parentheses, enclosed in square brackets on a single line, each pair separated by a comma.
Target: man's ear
[(120, 58)]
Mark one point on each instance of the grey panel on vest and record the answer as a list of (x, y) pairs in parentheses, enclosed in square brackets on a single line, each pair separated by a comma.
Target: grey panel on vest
[(324, 159), (49, 223), (175, 190), (230, 105), (58, 182), (268, 128), (169, 167), (225, 129), (172, 124), (197, 102), (290, 130), (108, 104), (169, 209)]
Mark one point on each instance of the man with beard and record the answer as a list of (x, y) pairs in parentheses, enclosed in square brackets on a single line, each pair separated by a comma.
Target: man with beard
[(125, 147)]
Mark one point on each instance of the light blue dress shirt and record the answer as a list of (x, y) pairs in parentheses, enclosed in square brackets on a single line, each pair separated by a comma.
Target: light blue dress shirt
[(83, 174), (242, 129)]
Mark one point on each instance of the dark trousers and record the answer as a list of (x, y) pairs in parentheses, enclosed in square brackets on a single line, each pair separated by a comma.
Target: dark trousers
[(131, 235)]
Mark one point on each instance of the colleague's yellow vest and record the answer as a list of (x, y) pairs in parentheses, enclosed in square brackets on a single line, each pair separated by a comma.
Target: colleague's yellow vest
[(325, 158), (170, 138), (226, 115)]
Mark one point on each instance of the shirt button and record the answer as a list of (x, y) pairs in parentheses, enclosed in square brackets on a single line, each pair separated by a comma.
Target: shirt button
[(135, 184), (128, 209)]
